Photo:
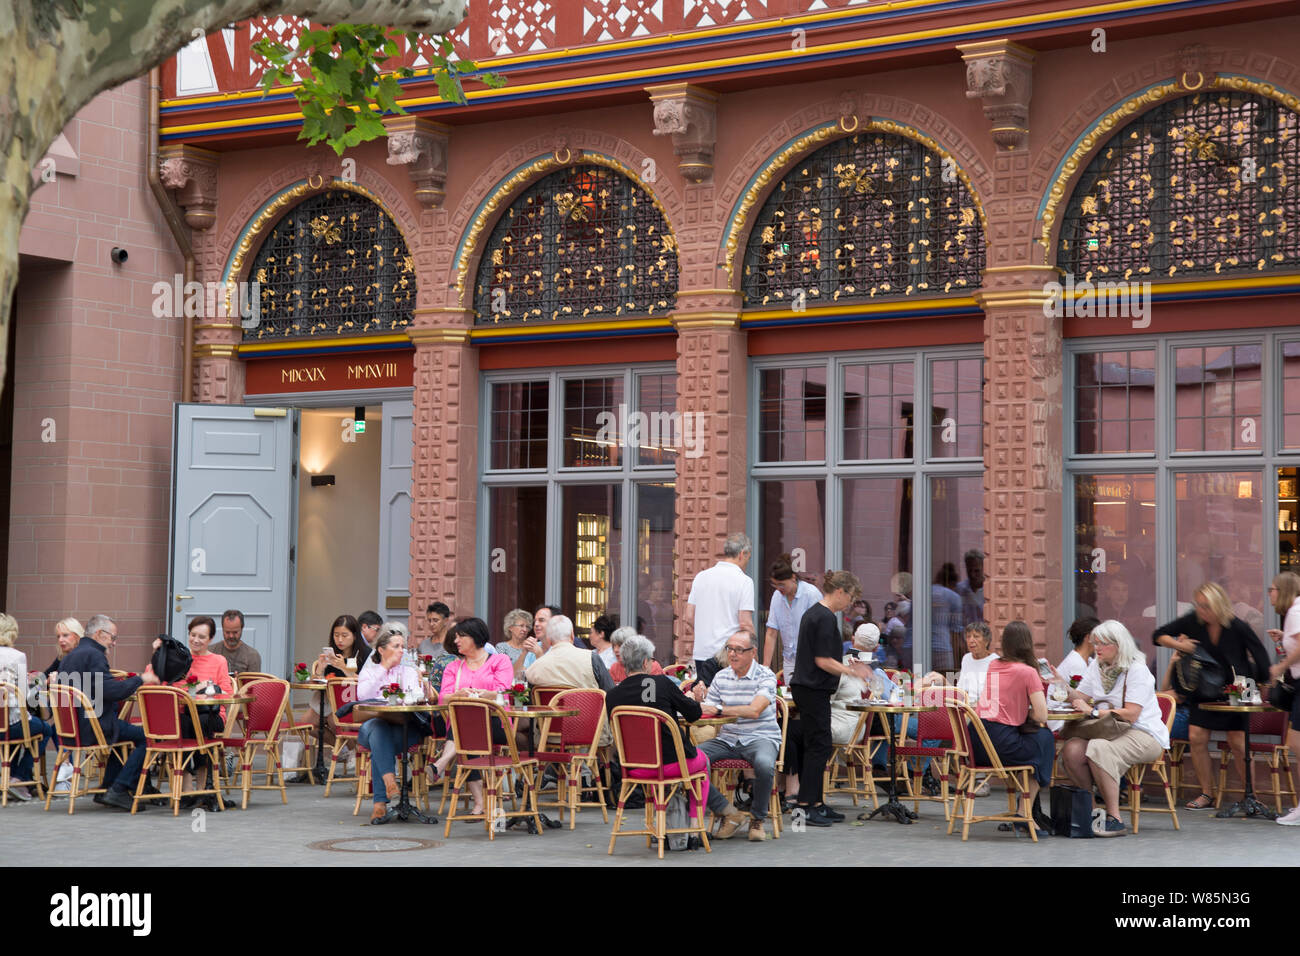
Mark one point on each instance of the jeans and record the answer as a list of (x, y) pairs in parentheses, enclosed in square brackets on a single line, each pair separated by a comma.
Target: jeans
[(761, 752), (384, 741), (22, 765), (117, 773)]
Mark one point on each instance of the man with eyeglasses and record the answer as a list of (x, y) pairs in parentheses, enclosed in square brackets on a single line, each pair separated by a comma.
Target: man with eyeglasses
[(746, 690), (86, 668)]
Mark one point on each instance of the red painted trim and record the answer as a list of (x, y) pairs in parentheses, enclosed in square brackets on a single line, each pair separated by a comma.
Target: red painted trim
[(1209, 316), (620, 351), (876, 334)]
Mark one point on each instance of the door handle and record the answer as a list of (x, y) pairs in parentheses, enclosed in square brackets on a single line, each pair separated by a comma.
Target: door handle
[(185, 597)]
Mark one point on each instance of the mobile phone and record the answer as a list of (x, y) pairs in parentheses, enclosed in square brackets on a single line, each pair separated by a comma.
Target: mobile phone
[(1044, 669)]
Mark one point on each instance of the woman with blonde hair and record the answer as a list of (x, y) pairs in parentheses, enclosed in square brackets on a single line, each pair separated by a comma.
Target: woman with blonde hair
[(13, 670), (1284, 595), (67, 634), (1232, 643)]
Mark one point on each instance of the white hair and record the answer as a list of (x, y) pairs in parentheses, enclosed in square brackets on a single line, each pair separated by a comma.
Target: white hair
[(559, 628), (621, 635), (1113, 632)]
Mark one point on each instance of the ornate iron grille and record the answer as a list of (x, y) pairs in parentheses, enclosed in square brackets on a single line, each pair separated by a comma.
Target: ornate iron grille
[(1202, 185), (585, 241), (335, 265), (866, 216)]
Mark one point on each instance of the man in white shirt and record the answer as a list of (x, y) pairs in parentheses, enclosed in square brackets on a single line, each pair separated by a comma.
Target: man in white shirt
[(790, 599), (721, 600)]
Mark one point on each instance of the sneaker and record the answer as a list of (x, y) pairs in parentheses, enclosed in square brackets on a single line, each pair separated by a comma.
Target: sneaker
[(63, 783), (982, 788), (757, 833), (807, 817), (730, 824), (1113, 828), (19, 793), (833, 815), (821, 813), (1290, 819)]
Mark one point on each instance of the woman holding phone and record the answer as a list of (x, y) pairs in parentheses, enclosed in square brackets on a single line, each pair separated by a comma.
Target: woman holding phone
[(344, 656)]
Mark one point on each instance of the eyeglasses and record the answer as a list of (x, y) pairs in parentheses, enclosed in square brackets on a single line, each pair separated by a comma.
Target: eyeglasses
[(737, 650)]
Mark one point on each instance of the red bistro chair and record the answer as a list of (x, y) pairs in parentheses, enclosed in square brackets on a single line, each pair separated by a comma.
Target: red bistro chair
[(937, 726), (161, 708), (263, 722), (734, 767), (68, 705), (342, 690), (1275, 753), (12, 745), (1160, 767), (470, 723), (579, 747)]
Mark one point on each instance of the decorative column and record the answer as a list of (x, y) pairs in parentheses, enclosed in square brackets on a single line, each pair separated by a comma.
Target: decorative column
[(444, 473), (711, 388), (1001, 74), (1023, 462), (421, 146)]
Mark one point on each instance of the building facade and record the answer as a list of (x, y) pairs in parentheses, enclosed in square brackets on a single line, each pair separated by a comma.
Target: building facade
[(996, 303)]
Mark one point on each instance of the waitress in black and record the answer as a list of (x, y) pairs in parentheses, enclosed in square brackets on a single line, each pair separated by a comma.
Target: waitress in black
[(1238, 650), (817, 671)]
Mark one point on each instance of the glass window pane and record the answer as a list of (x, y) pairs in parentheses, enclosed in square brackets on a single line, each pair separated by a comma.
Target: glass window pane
[(791, 520), (1291, 395), (878, 549), (1217, 398), (1114, 402), (1219, 518), (662, 431), (590, 549), (519, 417), (956, 566), (594, 425), (878, 411), (1114, 563), (655, 509), (957, 408), (517, 551), (792, 414)]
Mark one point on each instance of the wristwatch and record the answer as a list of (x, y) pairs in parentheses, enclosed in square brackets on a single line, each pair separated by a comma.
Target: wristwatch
[(1095, 713)]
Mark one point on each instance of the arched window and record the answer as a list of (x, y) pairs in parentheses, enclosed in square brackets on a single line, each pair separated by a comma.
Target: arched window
[(874, 214), (582, 242), (335, 265), (1206, 184)]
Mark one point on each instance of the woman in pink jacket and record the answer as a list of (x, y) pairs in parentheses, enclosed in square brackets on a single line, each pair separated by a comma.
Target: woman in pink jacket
[(476, 672)]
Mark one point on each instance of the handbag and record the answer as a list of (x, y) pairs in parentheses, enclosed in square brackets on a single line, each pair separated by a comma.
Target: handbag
[(1105, 727), (1198, 677), (1282, 694), (1071, 812)]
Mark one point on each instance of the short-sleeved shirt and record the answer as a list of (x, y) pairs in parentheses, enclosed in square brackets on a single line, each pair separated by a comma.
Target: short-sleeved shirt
[(1136, 685), (974, 674), (1291, 633), (784, 616), (819, 636), (728, 690), (719, 594), (1006, 693)]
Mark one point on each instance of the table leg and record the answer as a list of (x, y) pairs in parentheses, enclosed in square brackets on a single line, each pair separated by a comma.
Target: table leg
[(320, 741), (892, 807), (404, 809), (1248, 806)]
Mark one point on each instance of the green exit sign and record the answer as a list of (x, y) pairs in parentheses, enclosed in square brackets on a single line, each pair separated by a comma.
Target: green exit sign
[(359, 427)]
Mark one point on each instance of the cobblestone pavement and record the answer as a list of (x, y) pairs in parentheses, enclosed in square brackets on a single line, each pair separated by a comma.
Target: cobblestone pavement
[(298, 834)]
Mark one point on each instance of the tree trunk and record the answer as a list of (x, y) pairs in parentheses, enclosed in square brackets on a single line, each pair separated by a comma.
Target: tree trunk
[(56, 55)]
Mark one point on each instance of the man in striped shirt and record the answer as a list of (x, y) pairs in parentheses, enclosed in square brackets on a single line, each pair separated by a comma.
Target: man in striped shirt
[(746, 690)]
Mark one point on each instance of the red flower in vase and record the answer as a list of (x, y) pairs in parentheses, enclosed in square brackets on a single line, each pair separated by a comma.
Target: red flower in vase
[(391, 690), (1074, 680), (191, 680)]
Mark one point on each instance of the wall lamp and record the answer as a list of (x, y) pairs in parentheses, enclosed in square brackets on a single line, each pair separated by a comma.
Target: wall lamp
[(320, 481)]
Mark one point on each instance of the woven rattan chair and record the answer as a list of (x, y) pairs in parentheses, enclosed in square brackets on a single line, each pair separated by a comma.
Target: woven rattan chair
[(967, 728), (12, 745), (1160, 767), (161, 708), (68, 705)]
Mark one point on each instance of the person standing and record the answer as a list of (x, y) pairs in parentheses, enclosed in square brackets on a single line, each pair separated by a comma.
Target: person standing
[(1284, 595), (817, 672), (790, 599), (721, 601)]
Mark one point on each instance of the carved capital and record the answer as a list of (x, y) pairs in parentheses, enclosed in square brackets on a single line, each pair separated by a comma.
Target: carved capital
[(689, 115), (421, 146), (1000, 73), (192, 173)]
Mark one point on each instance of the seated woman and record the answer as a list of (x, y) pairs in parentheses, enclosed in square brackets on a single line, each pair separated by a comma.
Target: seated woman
[(636, 654), (1076, 662), (213, 674), (1014, 692), (345, 657), (67, 633), (13, 670), (616, 670), (476, 671), (974, 664), (1116, 680), (520, 645), (382, 738)]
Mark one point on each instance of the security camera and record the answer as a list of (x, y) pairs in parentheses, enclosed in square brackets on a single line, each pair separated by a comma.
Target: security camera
[(118, 255)]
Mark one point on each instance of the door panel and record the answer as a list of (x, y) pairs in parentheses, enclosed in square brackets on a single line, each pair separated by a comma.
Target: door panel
[(395, 512), (233, 502)]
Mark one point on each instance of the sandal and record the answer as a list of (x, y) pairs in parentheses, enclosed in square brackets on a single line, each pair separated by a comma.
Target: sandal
[(1202, 802), (433, 775)]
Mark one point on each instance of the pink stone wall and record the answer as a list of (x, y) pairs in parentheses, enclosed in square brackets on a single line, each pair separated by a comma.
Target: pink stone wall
[(89, 520)]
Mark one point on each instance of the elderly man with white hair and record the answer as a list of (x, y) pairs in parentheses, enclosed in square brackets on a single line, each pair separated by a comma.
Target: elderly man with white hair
[(564, 665)]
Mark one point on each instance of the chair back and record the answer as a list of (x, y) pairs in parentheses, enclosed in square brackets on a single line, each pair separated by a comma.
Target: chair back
[(470, 720), (68, 704), (270, 694), (584, 729), (160, 711), (542, 696), (639, 743), (1168, 705), (11, 696), (972, 729), (1269, 723), (243, 677), (937, 724), (340, 691)]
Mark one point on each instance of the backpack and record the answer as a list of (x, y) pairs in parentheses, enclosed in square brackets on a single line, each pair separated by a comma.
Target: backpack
[(172, 660)]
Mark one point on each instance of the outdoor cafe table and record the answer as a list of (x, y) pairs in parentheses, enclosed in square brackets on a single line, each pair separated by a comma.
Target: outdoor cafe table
[(891, 807), (394, 714), (318, 687), (1248, 805)]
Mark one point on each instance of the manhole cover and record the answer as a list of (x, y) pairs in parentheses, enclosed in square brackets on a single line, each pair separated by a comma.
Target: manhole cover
[(373, 845)]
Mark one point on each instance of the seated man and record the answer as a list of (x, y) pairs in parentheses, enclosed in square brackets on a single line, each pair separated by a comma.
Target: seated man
[(564, 665), (86, 668), (240, 657), (747, 690)]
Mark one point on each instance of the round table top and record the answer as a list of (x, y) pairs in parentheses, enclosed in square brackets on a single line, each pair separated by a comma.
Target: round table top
[(539, 710), (221, 700), (425, 708), (714, 721), (884, 707), (1237, 708), (321, 684), (1065, 715)]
